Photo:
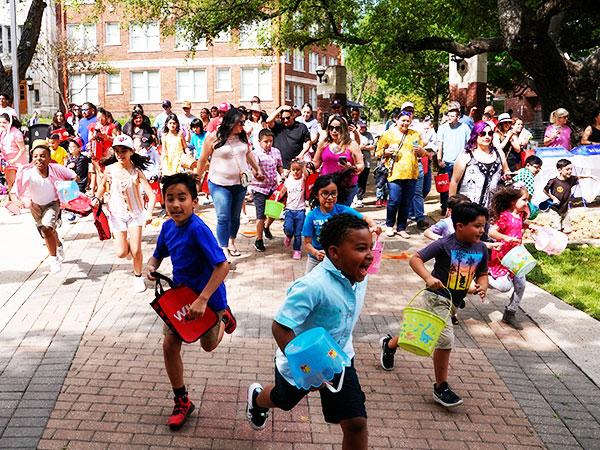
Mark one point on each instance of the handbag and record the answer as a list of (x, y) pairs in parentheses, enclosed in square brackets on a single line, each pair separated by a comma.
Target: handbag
[(101, 222), (245, 175), (172, 306)]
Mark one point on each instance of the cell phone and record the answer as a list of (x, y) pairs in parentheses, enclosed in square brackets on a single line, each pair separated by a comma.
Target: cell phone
[(343, 160)]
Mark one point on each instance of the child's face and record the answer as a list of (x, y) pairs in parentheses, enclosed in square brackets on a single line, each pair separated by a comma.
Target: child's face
[(40, 158), (53, 144), (196, 130), (354, 256), (533, 168), (328, 196), (296, 170), (566, 171), (179, 203), (171, 125), (122, 153), (471, 232), (522, 202), (74, 149), (266, 143)]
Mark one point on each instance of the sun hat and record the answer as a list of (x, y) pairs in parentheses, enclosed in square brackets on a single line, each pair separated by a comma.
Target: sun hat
[(40, 143), (406, 105), (186, 104), (224, 106), (504, 117)]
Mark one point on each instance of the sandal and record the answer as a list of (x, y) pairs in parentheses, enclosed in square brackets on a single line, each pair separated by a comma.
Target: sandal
[(403, 234), (233, 252)]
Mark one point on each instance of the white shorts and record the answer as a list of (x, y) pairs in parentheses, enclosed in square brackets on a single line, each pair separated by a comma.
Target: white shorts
[(118, 223)]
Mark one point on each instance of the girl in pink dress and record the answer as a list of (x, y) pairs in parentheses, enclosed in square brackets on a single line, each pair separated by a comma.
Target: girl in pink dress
[(508, 213)]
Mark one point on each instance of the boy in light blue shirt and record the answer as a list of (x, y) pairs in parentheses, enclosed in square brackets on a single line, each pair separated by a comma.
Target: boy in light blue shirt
[(330, 296)]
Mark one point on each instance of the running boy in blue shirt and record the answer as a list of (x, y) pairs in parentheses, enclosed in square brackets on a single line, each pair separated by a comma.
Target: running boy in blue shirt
[(198, 263), (330, 296)]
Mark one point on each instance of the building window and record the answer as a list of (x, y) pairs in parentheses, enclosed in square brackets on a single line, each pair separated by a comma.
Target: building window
[(288, 92), (313, 62), (223, 82), (256, 81), (324, 60), (299, 60), (145, 86), (251, 34), (288, 57), (191, 85), (83, 36), (298, 95), (183, 42), (333, 61), (83, 87), (112, 33), (144, 37), (223, 36), (312, 96), (113, 83)]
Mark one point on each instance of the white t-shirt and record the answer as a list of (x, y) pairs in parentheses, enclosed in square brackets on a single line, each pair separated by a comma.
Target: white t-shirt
[(41, 190), (8, 110), (295, 193)]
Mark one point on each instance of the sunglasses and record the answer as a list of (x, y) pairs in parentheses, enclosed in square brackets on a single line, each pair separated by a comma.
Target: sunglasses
[(329, 194), (85, 109), (286, 117), (335, 127), (486, 133)]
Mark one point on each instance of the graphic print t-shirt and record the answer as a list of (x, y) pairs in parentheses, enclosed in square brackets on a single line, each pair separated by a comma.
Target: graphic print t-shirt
[(457, 264)]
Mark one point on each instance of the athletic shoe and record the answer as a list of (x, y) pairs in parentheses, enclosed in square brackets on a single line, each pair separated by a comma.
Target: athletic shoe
[(60, 253), (359, 204), (55, 265), (454, 319), (268, 233), (71, 218), (259, 245), (182, 409), (446, 396), (297, 255), (386, 359), (257, 416), (287, 241), (229, 320), (138, 284), (389, 231), (378, 202)]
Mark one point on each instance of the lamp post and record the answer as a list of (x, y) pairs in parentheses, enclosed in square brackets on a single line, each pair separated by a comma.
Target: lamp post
[(320, 71), (13, 55)]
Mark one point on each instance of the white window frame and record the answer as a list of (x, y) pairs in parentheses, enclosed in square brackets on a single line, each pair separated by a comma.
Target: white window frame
[(288, 57), (333, 61), (152, 94), (184, 44), (193, 92), (288, 92), (312, 96), (150, 35), (82, 35), (111, 88), (228, 87), (298, 60), (298, 95), (313, 62), (117, 41), (255, 73), (85, 93)]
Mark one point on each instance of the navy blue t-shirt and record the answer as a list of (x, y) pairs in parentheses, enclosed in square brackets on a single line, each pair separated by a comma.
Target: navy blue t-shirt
[(194, 254)]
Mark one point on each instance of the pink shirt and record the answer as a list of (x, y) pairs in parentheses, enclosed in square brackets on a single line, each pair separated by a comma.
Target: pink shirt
[(331, 162), (509, 225), (56, 172), (9, 143), (563, 140)]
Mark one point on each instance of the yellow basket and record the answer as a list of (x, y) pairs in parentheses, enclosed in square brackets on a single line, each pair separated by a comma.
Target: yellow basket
[(420, 329)]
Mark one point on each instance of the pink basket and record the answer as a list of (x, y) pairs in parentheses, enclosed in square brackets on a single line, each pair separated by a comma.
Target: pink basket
[(377, 254)]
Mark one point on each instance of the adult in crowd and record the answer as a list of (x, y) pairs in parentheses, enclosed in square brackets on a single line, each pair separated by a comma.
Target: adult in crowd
[(215, 122), (491, 112), (452, 138), (467, 120), (423, 186), (558, 133), (254, 124), (591, 134), (400, 147), (307, 118), (159, 121), (506, 139), (34, 119), (367, 146), (146, 125), (205, 117), (60, 126), (12, 147), (5, 102), (228, 175), (136, 126), (338, 153), (292, 138), (88, 111), (73, 115), (523, 133), (478, 170), (186, 118), (214, 112)]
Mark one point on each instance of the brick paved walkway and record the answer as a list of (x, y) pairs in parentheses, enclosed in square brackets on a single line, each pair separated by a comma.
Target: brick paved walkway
[(81, 366)]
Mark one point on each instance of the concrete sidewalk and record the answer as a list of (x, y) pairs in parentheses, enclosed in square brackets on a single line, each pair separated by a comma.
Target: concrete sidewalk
[(81, 361)]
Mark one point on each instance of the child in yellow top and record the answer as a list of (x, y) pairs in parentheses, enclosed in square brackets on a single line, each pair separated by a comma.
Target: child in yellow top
[(173, 146)]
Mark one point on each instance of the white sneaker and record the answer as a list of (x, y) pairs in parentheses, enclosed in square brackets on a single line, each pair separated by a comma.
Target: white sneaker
[(60, 253), (389, 231), (138, 284), (55, 265)]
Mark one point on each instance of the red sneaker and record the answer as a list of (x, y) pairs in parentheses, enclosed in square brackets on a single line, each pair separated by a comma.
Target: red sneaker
[(182, 409), (230, 322)]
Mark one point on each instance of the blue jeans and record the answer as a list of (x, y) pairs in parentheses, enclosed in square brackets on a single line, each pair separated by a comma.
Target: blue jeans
[(445, 195), (417, 205), (292, 226), (228, 202), (381, 186), (350, 194), (401, 195)]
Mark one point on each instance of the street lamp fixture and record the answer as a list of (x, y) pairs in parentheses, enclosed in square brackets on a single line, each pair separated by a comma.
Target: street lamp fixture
[(320, 70), (457, 59), (29, 81)]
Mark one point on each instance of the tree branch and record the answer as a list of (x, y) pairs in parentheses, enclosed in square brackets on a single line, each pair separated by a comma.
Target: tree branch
[(475, 47), (551, 8)]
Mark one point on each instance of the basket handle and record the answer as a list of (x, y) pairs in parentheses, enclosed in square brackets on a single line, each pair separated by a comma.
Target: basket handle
[(332, 389), (424, 289)]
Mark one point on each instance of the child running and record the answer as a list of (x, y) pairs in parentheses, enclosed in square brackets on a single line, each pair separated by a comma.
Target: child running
[(323, 201), (269, 160), (444, 227), (508, 212), (459, 259), (332, 297), (295, 207), (198, 263), (36, 181), (526, 175), (173, 145), (124, 173)]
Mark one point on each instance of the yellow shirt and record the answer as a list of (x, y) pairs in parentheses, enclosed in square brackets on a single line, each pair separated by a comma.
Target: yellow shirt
[(404, 165), (59, 155)]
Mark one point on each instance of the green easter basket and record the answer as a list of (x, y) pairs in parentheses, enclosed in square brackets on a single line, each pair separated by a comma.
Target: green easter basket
[(273, 209)]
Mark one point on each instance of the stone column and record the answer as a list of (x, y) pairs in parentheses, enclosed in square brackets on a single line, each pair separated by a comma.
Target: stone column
[(468, 82)]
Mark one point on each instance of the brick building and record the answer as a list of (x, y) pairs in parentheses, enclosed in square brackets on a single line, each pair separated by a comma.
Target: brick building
[(147, 66)]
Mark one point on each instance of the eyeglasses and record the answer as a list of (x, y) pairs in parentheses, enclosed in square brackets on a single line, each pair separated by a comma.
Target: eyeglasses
[(334, 128), (286, 117), (328, 194), (486, 133), (85, 109)]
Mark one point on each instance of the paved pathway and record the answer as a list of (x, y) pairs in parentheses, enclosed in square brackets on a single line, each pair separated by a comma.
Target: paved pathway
[(81, 363)]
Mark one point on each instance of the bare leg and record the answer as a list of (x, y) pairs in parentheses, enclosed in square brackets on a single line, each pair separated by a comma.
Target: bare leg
[(356, 434), (173, 361), (264, 398), (260, 226), (121, 244), (135, 246), (51, 239), (441, 360)]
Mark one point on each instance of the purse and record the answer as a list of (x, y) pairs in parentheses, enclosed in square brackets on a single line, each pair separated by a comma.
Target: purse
[(245, 175), (101, 222)]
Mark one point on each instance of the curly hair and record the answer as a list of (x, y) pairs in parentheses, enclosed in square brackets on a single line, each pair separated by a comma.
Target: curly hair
[(504, 199), (336, 229)]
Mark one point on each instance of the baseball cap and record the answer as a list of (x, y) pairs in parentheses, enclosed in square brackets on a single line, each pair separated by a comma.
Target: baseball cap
[(39, 143), (224, 106), (122, 140), (336, 103), (504, 117), (454, 106), (407, 105), (166, 103), (186, 104)]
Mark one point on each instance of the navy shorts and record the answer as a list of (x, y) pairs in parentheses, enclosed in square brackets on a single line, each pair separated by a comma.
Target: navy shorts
[(349, 403), (259, 204)]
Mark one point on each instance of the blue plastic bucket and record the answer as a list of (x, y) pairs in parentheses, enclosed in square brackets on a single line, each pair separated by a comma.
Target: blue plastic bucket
[(315, 358), (67, 190)]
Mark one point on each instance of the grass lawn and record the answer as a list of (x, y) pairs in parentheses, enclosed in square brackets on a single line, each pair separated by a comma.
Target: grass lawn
[(573, 276)]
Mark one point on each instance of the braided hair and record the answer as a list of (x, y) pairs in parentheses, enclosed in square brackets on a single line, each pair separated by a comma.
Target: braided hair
[(336, 229)]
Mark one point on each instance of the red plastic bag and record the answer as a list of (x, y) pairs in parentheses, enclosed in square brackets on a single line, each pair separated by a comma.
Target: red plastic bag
[(442, 182), (101, 222), (172, 307), (155, 185), (81, 205)]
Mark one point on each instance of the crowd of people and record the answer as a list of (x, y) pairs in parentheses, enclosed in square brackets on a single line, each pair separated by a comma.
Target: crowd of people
[(232, 156)]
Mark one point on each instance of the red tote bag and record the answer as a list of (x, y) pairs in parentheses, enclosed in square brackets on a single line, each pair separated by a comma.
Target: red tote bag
[(442, 182), (101, 222), (172, 307)]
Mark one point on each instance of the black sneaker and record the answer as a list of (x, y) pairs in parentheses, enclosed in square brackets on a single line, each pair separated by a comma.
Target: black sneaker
[(257, 416), (259, 245), (268, 233), (454, 319), (422, 225), (446, 396), (387, 354)]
